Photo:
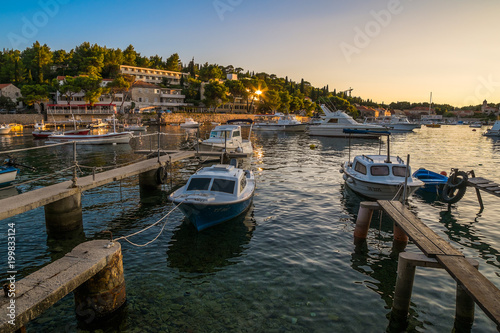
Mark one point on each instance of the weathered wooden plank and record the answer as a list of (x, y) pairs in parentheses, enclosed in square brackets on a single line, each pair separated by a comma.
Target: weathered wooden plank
[(484, 185), (421, 240), (442, 244), (484, 293), (493, 188), (478, 180)]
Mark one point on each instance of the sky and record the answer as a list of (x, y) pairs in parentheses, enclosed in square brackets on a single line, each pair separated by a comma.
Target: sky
[(385, 50)]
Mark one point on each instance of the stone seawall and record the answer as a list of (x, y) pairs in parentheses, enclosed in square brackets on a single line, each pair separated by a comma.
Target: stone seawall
[(24, 119)]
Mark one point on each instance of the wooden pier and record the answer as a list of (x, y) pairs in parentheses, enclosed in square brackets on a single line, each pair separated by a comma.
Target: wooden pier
[(30, 200), (472, 286)]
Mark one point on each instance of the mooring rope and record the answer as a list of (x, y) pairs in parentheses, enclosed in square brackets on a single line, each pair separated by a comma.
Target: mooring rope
[(140, 231), (33, 148)]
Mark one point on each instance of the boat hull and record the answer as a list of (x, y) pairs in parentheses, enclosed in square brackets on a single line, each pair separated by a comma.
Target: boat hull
[(4, 130), (203, 216), (378, 191), (330, 131), (282, 128), (109, 138), (7, 175)]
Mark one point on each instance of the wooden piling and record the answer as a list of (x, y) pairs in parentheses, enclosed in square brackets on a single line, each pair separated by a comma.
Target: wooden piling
[(464, 314), (64, 217), (363, 220)]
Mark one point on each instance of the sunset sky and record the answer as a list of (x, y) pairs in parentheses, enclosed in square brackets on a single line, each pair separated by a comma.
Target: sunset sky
[(386, 51)]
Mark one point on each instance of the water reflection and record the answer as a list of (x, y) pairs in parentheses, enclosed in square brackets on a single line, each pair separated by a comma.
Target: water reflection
[(191, 251)]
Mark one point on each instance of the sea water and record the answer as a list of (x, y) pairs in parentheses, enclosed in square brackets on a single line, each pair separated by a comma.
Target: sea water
[(289, 264)]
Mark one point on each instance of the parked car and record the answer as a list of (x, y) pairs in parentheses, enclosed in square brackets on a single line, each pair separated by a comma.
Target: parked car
[(12, 111), (3, 110)]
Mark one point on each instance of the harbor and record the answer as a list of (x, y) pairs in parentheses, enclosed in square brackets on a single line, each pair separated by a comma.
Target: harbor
[(289, 263)]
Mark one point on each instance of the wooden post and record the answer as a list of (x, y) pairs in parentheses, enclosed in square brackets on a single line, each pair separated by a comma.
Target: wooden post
[(148, 180), (363, 220), (64, 217), (464, 314), (399, 234), (104, 293)]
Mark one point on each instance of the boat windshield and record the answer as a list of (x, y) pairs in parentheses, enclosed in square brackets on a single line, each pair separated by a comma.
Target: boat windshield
[(220, 134), (197, 184), (399, 171), (380, 170), (223, 185)]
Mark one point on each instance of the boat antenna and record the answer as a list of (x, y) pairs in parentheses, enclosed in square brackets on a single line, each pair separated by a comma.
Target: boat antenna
[(406, 177), (388, 160)]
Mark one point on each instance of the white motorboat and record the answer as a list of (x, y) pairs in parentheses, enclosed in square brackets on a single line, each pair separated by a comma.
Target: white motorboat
[(380, 177), (190, 123), (5, 129), (494, 131), (396, 124), (97, 139), (46, 133), (135, 128), (476, 124), (98, 123), (215, 194), (280, 122), (227, 138), (335, 122)]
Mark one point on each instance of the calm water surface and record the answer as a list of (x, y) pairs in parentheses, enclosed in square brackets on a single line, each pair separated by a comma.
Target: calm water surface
[(289, 264)]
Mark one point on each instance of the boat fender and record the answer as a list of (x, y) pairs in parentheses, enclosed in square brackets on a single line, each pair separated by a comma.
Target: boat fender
[(455, 188), (451, 195), (161, 175)]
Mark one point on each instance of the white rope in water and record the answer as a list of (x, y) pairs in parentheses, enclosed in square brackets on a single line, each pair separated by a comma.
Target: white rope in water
[(140, 231)]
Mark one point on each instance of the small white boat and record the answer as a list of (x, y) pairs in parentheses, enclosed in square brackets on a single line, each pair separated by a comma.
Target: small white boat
[(280, 122), (97, 139), (135, 128), (215, 194), (380, 177), (46, 133), (8, 174), (190, 123), (493, 131), (227, 138), (476, 124), (334, 123), (5, 129), (98, 123)]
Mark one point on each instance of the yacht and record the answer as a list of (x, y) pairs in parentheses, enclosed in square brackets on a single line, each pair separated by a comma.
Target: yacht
[(335, 122), (279, 122)]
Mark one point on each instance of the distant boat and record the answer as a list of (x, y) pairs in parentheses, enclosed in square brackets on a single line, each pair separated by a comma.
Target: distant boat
[(190, 123), (4, 129), (395, 123), (493, 131), (215, 194), (476, 124), (334, 123), (98, 139), (98, 123), (279, 122), (135, 128), (47, 133), (227, 138)]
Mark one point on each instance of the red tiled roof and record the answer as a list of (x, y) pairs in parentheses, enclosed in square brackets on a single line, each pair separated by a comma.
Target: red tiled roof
[(3, 85)]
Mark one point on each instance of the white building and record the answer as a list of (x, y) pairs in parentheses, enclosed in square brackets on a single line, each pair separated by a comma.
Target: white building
[(154, 76)]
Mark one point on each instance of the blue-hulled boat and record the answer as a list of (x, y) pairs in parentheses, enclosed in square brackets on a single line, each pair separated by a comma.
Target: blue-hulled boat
[(8, 174), (433, 181), (215, 194)]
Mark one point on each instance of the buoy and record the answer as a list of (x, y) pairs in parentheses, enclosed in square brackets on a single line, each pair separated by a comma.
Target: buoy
[(443, 173), (312, 146)]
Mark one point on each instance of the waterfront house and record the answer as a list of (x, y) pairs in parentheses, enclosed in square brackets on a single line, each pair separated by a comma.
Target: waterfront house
[(11, 91)]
